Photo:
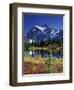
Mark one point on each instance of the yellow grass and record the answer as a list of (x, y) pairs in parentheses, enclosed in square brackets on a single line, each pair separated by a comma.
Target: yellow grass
[(35, 59), (42, 60), (42, 65)]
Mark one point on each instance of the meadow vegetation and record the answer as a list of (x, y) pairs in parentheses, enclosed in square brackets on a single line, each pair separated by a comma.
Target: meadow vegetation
[(33, 65), (38, 64)]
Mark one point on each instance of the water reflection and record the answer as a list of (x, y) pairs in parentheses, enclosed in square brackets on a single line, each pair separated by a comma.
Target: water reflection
[(43, 53)]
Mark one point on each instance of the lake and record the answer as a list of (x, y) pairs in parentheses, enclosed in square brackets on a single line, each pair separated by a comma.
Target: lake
[(42, 53)]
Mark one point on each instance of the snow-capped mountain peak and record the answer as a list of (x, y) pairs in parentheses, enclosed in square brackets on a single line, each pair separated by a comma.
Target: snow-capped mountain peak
[(44, 34), (40, 28)]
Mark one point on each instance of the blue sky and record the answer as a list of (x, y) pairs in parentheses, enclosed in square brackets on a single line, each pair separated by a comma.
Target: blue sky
[(30, 20)]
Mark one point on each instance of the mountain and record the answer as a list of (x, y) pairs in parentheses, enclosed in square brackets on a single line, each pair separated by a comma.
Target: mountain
[(39, 34)]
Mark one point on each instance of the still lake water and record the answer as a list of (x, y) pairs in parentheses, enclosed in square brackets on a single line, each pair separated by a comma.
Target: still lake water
[(43, 53)]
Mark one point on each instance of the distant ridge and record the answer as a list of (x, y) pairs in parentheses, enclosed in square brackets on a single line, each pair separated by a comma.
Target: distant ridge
[(44, 33)]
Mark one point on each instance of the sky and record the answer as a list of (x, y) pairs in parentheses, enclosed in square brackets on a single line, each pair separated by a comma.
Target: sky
[(30, 20)]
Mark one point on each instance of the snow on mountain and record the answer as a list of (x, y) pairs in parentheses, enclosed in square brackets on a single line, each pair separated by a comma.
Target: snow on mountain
[(54, 33), (44, 33), (41, 28)]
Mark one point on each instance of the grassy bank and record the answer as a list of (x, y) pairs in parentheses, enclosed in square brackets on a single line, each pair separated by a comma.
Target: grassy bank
[(33, 65)]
